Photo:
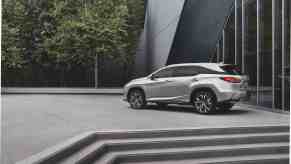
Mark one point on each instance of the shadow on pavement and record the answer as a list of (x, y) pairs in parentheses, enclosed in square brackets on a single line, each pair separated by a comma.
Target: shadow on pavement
[(189, 109)]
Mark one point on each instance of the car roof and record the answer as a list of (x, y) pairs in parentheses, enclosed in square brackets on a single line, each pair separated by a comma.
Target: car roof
[(197, 64), (213, 66)]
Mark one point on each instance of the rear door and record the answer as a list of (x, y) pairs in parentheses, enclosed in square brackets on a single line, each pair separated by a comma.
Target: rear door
[(183, 76), (172, 82)]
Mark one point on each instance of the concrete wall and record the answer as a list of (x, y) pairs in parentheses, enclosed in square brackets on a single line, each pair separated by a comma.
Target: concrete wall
[(178, 31), (199, 29), (162, 17), (140, 65)]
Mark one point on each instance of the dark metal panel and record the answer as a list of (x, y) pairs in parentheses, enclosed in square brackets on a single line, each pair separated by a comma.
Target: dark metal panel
[(200, 26)]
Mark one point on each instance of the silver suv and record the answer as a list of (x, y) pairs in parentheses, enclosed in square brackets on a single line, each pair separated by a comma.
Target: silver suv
[(208, 86)]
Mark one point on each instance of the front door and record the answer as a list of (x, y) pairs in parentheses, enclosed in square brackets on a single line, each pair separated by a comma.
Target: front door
[(162, 84)]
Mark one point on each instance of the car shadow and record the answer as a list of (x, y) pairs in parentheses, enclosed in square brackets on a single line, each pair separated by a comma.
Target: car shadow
[(189, 109)]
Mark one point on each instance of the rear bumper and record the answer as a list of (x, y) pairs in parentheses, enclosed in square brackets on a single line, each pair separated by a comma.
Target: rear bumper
[(234, 96)]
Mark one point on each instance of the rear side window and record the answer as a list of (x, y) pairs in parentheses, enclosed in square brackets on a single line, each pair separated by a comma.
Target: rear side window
[(192, 71), (231, 70), (185, 71)]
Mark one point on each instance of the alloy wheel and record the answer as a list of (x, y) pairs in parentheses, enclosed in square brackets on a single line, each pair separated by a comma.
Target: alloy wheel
[(204, 102), (136, 99)]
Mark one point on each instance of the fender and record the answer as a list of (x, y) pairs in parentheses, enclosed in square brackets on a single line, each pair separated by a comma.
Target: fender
[(194, 87)]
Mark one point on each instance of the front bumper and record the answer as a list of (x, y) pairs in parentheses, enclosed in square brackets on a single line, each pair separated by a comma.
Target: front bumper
[(125, 91)]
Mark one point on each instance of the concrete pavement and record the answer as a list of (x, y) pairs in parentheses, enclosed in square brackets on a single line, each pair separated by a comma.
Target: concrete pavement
[(32, 123), (52, 90)]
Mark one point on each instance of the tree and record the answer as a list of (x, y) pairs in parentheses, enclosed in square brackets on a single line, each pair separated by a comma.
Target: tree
[(135, 23), (11, 48), (86, 29), (24, 25), (62, 34)]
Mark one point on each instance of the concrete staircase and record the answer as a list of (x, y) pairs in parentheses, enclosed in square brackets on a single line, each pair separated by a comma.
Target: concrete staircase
[(233, 145)]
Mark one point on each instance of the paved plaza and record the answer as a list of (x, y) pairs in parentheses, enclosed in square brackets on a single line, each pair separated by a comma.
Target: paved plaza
[(34, 122)]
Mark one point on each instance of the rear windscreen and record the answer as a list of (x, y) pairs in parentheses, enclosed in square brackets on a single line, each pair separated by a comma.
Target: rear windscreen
[(231, 70)]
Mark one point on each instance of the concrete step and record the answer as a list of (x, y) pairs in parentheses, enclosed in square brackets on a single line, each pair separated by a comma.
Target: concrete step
[(190, 132), (196, 153), (249, 159), (99, 146), (99, 149)]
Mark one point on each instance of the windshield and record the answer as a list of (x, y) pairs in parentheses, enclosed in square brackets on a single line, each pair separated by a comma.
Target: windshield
[(231, 70)]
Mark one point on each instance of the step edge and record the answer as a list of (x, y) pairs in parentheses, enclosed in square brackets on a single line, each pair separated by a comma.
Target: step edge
[(66, 145), (117, 156), (260, 157), (101, 132), (106, 144), (57, 149), (238, 147), (200, 137)]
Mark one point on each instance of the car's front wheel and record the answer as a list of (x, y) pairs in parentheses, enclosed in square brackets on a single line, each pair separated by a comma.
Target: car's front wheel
[(204, 101), (136, 99)]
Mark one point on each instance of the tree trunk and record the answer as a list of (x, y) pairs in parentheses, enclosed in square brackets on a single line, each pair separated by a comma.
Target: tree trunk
[(96, 71), (62, 77)]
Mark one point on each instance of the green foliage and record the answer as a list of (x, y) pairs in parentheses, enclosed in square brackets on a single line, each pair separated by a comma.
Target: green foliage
[(85, 29), (135, 23), (12, 57), (11, 49), (67, 33)]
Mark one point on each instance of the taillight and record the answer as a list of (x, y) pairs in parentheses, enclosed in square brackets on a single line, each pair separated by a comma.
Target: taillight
[(231, 79)]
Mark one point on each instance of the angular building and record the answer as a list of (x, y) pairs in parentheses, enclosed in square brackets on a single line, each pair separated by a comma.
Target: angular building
[(254, 34)]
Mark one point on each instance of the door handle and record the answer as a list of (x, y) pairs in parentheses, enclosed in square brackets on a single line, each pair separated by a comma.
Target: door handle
[(195, 79)]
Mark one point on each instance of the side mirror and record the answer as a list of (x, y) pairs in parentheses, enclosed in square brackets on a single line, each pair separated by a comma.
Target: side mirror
[(152, 77)]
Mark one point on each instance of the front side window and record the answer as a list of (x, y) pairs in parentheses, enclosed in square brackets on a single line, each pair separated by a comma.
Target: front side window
[(167, 72)]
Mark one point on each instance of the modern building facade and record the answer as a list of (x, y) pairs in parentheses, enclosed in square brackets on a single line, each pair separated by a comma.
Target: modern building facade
[(254, 34)]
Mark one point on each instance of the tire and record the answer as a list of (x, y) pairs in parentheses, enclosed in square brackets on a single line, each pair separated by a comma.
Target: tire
[(225, 106), (136, 99), (162, 105), (204, 101)]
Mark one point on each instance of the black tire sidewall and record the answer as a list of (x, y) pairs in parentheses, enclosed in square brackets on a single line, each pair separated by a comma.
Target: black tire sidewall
[(143, 98), (213, 107)]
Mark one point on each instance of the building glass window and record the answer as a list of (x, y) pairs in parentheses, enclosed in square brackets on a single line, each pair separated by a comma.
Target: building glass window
[(229, 40), (262, 50), (238, 38), (250, 49), (277, 52), (287, 56), (265, 84)]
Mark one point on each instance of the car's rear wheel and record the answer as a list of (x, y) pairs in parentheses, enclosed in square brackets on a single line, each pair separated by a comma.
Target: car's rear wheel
[(136, 99), (204, 101)]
